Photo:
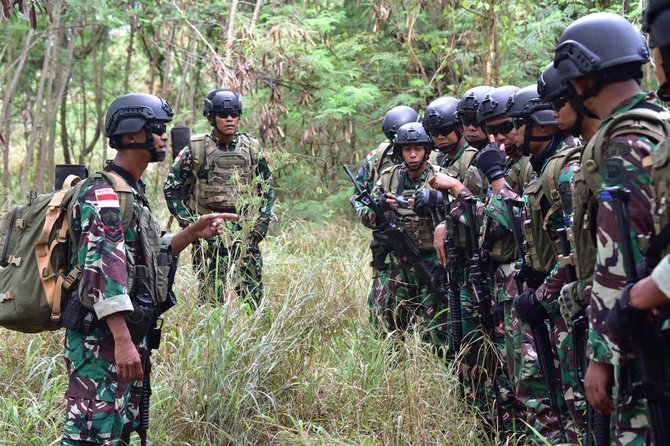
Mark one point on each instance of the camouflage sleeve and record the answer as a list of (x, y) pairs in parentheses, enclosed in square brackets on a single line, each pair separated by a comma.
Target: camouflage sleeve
[(497, 209), (661, 274), (458, 209), (180, 175), (363, 178), (102, 250), (553, 283), (624, 163), (266, 188)]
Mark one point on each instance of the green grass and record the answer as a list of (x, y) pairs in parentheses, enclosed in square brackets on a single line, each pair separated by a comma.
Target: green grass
[(305, 369)]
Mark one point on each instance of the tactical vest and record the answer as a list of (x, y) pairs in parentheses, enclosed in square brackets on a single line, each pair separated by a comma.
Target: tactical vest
[(151, 276), (383, 161), (221, 175), (542, 243), (640, 121), (420, 229), (581, 232)]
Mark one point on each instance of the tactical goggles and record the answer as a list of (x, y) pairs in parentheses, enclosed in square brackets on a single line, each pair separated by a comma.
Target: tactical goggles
[(157, 128), (559, 102), (444, 131), (225, 114), (468, 120), (503, 128), (519, 122)]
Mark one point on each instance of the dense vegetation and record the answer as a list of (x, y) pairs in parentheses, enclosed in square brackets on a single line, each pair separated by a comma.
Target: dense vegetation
[(317, 77)]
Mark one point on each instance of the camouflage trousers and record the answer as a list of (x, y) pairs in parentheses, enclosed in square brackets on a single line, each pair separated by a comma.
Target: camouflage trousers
[(530, 388), (101, 408), (400, 300), (630, 414), (218, 265), (483, 371)]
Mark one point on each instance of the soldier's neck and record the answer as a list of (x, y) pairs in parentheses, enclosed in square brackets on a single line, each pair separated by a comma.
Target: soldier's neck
[(611, 96)]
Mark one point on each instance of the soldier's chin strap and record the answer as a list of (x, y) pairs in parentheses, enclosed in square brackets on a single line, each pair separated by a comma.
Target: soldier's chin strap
[(156, 156), (538, 161), (528, 138)]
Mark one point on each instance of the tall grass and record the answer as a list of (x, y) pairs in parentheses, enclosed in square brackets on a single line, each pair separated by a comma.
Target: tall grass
[(305, 368)]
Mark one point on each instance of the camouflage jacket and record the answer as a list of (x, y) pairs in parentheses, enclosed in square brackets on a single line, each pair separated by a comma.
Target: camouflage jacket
[(181, 177), (625, 162)]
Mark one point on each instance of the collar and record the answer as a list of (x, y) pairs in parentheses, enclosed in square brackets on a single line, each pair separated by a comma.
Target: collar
[(556, 144), (221, 145), (128, 178), (448, 161), (627, 105)]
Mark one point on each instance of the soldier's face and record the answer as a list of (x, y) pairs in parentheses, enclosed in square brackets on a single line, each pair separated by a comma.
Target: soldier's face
[(444, 138), (413, 155), (566, 117), (226, 123), (502, 130), (471, 129)]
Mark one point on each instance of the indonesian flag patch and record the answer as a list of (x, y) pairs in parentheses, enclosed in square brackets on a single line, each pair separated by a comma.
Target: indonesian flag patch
[(106, 198)]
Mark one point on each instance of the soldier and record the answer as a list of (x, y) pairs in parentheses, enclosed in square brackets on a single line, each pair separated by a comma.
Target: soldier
[(468, 107), (600, 58), (226, 172), (407, 299), (376, 162), (105, 361)]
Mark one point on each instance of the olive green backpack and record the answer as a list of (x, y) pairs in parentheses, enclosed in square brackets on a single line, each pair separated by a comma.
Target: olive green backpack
[(36, 259)]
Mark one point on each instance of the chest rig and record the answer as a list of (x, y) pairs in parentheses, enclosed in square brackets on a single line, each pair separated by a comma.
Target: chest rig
[(420, 229), (221, 175)]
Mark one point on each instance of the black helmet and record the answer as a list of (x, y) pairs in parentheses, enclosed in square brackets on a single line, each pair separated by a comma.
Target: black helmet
[(656, 22), (526, 102), (469, 102), (549, 86), (222, 100), (410, 133), (597, 42), (396, 117), (133, 112), (494, 103), (440, 113)]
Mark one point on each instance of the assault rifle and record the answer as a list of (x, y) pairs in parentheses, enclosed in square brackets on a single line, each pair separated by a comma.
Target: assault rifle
[(647, 357), (598, 424), (541, 338), (456, 323), (409, 256), (478, 281)]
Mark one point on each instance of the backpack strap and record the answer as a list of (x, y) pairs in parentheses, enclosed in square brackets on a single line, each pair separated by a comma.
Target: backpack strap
[(550, 181), (197, 145)]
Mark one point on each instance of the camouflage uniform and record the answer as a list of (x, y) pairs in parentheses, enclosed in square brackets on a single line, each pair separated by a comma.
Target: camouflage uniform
[(625, 162), (404, 299), (101, 407), (219, 254), (366, 177)]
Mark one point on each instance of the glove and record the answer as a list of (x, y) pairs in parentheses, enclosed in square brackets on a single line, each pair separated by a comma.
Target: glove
[(624, 320), (491, 160), (571, 303), (529, 309), (427, 199), (383, 204)]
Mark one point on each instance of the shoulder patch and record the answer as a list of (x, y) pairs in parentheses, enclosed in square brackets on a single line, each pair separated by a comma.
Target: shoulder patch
[(614, 171), (106, 198)]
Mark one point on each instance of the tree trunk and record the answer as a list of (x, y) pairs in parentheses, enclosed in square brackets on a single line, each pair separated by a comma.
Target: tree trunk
[(7, 103), (129, 53), (493, 64), (254, 17), (231, 33)]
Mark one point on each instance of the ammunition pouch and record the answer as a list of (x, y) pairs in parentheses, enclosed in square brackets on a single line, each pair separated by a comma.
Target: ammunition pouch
[(140, 321), (74, 316)]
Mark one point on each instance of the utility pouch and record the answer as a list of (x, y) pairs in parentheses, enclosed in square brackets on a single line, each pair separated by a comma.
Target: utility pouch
[(140, 320), (74, 316)]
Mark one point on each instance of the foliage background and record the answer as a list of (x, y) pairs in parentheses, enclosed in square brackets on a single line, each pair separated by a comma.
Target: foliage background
[(317, 77)]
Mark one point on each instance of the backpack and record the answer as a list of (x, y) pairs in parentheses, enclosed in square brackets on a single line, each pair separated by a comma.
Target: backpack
[(36, 262)]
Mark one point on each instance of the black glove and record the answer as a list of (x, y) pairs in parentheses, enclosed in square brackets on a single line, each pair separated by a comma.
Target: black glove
[(491, 160), (383, 204), (426, 200), (529, 309), (624, 320)]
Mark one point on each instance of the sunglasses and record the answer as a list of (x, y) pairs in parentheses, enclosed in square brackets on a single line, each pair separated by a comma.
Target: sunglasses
[(442, 131), (519, 122), (559, 102), (157, 128), (225, 114), (503, 128), (467, 120)]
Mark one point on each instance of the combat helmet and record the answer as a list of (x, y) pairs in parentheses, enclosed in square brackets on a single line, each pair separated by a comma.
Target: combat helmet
[(396, 117), (133, 112), (495, 102), (410, 133), (222, 100)]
